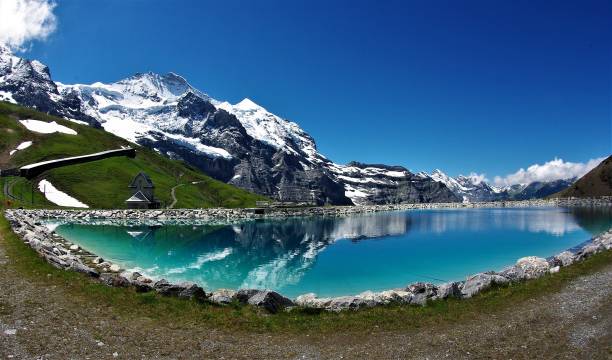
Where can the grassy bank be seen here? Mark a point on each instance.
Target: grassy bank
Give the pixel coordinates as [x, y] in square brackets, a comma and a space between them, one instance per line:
[172, 312]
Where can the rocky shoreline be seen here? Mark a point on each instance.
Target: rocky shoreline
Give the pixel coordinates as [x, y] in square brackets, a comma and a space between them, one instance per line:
[28, 225]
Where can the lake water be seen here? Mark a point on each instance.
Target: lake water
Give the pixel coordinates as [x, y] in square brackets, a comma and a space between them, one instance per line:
[341, 256]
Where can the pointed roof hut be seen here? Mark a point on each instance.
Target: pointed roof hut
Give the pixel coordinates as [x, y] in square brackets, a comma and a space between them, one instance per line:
[142, 193]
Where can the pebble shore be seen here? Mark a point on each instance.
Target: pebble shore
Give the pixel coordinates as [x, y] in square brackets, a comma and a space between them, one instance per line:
[28, 225]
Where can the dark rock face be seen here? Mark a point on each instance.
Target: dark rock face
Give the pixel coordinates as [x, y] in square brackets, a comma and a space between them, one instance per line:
[30, 84]
[383, 184]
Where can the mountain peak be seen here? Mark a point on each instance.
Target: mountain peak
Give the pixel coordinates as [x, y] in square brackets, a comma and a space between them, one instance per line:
[247, 104]
[150, 84]
[5, 50]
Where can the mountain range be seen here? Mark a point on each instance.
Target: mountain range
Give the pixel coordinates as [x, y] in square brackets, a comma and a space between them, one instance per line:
[242, 144]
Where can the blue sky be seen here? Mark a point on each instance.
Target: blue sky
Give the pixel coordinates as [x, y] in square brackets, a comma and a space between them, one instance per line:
[484, 86]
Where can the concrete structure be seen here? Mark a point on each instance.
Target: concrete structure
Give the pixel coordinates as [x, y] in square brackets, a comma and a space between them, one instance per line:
[32, 170]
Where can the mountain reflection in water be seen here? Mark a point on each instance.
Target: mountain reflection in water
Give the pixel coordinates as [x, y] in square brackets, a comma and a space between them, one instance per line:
[278, 253]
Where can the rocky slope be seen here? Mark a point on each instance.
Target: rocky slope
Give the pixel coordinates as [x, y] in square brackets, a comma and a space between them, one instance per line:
[242, 144]
[597, 182]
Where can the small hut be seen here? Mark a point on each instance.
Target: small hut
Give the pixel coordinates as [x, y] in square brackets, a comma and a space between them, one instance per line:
[142, 193]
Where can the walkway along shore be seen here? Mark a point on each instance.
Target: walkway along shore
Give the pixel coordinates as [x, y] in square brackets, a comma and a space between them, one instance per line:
[27, 224]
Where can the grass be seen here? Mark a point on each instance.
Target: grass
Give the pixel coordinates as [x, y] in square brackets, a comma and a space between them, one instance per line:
[26, 191]
[166, 311]
[103, 183]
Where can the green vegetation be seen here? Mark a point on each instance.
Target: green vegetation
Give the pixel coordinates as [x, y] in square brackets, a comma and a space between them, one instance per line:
[103, 183]
[128, 304]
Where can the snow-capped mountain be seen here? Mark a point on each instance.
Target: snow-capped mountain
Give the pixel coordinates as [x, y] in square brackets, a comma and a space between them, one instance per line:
[474, 189]
[468, 188]
[383, 184]
[28, 82]
[242, 144]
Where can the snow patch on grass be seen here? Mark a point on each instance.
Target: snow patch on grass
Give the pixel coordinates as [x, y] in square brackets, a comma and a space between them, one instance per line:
[22, 146]
[58, 197]
[46, 127]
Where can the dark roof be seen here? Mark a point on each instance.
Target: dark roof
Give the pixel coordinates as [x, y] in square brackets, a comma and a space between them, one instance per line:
[138, 197]
[149, 183]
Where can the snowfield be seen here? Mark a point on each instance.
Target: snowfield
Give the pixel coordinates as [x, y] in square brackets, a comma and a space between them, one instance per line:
[46, 127]
[23, 145]
[58, 197]
[7, 96]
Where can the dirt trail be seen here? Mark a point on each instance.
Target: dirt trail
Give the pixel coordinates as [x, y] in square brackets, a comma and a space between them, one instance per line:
[45, 322]
[173, 194]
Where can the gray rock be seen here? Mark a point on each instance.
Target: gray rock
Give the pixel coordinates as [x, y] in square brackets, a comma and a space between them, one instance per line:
[270, 300]
[79, 267]
[605, 240]
[115, 268]
[387, 297]
[162, 286]
[449, 290]
[513, 273]
[56, 261]
[422, 292]
[566, 258]
[141, 287]
[533, 266]
[308, 300]
[479, 282]
[347, 303]
[144, 279]
[191, 291]
[114, 280]
[589, 250]
[222, 296]
[243, 295]
[135, 275]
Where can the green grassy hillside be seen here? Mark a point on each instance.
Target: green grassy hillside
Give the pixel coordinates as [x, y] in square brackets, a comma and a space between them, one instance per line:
[103, 183]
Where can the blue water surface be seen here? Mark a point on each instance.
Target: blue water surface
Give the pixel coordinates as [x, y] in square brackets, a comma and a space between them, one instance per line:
[341, 256]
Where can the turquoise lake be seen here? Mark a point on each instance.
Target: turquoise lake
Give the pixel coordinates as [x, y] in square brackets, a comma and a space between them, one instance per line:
[341, 256]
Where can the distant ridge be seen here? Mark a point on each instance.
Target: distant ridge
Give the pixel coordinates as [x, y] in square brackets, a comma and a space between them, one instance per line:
[597, 182]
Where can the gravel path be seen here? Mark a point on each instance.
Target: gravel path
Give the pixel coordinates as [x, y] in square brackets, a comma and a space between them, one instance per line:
[173, 194]
[45, 322]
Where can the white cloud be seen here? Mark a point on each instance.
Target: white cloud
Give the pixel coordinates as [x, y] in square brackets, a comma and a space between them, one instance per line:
[477, 178]
[553, 170]
[25, 20]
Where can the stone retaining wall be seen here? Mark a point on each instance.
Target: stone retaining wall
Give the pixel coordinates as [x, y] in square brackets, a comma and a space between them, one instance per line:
[240, 214]
[64, 255]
